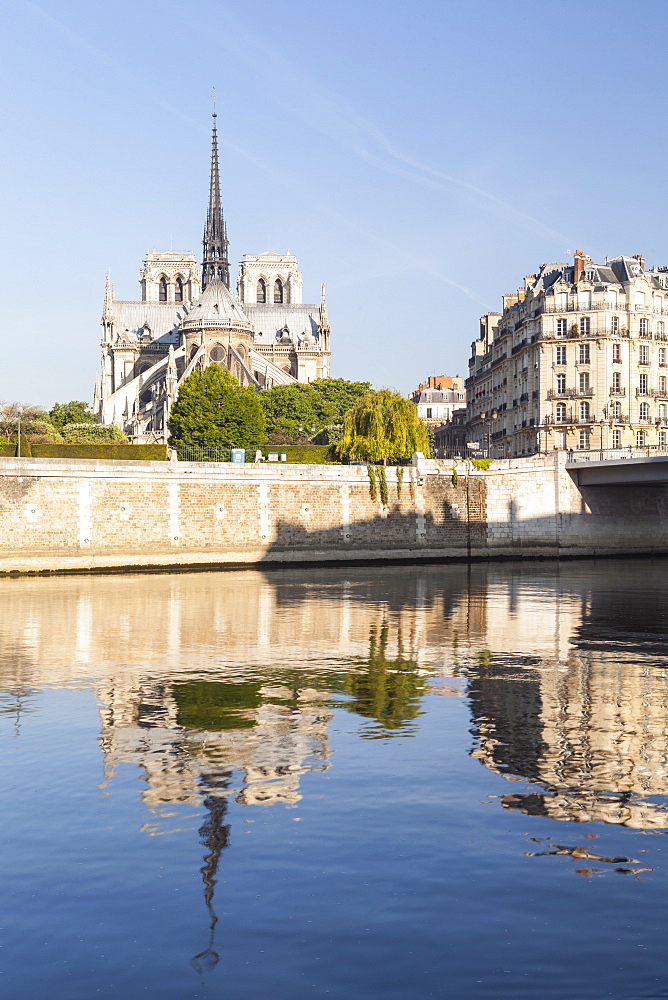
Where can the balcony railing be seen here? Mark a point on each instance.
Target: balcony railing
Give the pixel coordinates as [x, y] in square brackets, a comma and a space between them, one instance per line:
[570, 418]
[570, 393]
[602, 306]
[617, 391]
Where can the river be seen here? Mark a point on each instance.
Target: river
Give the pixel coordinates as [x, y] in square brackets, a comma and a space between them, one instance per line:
[364, 783]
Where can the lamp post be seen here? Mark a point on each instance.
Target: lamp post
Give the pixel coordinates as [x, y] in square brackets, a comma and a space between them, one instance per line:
[600, 424]
[484, 417]
[19, 412]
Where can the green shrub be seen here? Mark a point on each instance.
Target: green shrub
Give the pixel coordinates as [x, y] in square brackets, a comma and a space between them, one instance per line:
[302, 454]
[25, 447]
[92, 433]
[113, 452]
[481, 463]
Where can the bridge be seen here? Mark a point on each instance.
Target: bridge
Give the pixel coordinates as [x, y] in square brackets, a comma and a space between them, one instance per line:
[619, 466]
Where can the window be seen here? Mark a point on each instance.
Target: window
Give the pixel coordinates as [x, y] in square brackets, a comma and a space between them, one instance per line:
[643, 354]
[585, 326]
[583, 354]
[278, 291]
[643, 384]
[662, 439]
[428, 412]
[560, 354]
[562, 300]
[178, 290]
[218, 353]
[562, 328]
[661, 329]
[662, 355]
[583, 413]
[584, 381]
[643, 413]
[583, 440]
[616, 410]
[612, 297]
[560, 413]
[640, 298]
[662, 383]
[663, 415]
[614, 327]
[643, 327]
[616, 382]
[640, 439]
[616, 439]
[261, 292]
[561, 383]
[162, 293]
[585, 300]
[616, 352]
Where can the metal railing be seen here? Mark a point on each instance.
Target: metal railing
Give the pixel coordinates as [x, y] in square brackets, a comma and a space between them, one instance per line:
[569, 393]
[616, 454]
[197, 453]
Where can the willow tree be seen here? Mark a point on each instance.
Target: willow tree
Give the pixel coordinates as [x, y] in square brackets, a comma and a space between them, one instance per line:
[382, 425]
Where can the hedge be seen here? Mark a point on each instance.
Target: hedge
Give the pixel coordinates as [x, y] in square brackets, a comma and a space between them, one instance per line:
[112, 452]
[302, 454]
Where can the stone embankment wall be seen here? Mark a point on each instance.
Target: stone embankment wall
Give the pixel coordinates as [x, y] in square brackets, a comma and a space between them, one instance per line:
[57, 515]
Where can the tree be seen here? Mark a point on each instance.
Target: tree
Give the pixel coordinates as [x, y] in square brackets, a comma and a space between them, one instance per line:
[213, 411]
[289, 407]
[314, 407]
[35, 424]
[383, 425]
[74, 412]
[340, 395]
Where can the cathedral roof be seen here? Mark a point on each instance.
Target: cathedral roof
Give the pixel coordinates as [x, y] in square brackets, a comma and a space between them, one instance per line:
[302, 320]
[217, 307]
[160, 318]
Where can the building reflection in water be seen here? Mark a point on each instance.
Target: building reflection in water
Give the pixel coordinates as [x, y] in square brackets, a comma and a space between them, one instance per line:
[222, 687]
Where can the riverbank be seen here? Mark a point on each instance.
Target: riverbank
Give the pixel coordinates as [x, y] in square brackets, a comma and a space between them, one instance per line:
[61, 516]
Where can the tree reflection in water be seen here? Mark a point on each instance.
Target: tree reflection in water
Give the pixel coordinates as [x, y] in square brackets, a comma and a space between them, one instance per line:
[387, 690]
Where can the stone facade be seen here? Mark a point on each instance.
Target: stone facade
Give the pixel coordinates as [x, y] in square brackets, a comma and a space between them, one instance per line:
[578, 359]
[59, 515]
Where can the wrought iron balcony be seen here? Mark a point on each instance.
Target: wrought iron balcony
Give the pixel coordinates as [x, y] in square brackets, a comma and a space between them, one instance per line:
[570, 393]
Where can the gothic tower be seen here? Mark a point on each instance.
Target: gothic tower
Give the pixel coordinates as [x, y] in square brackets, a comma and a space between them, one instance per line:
[215, 263]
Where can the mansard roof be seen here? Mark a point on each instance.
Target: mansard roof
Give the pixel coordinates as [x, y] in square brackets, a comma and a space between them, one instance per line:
[217, 307]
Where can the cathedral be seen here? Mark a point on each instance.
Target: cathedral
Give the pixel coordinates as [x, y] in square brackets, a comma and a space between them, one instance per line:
[189, 318]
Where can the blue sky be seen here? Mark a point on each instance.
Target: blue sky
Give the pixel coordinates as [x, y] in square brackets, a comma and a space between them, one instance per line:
[419, 159]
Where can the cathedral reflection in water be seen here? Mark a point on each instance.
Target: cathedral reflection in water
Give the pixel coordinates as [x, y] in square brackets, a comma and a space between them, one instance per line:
[222, 686]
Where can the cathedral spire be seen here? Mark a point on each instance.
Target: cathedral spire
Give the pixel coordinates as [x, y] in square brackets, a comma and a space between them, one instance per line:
[215, 263]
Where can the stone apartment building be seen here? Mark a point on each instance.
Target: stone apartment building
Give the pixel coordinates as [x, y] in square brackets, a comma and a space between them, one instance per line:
[577, 359]
[438, 397]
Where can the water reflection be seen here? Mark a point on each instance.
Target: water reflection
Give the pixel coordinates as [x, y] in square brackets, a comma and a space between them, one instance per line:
[219, 686]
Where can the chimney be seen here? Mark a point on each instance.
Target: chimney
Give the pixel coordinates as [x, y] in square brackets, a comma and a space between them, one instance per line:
[641, 260]
[579, 262]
